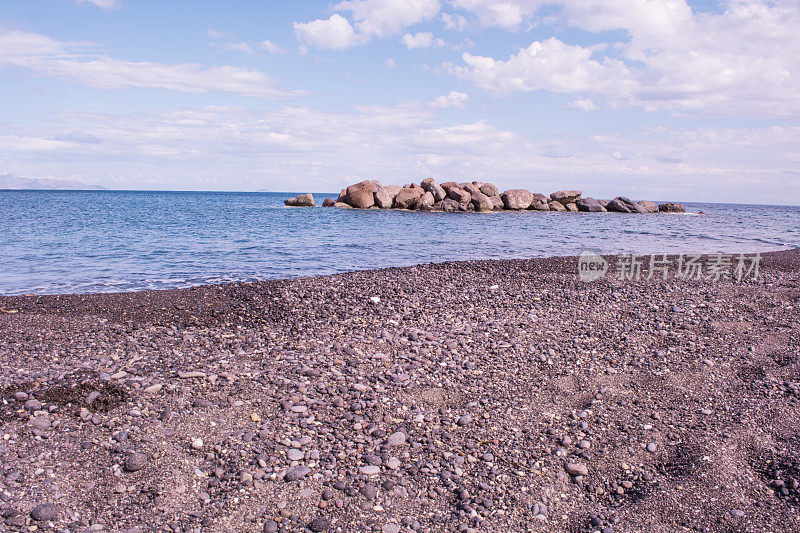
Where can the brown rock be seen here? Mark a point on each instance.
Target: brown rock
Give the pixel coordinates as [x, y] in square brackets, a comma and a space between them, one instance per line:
[430, 185]
[671, 207]
[459, 195]
[481, 202]
[343, 205]
[517, 199]
[590, 205]
[556, 206]
[565, 197]
[449, 205]
[328, 202]
[489, 189]
[407, 197]
[498, 202]
[304, 200]
[571, 207]
[539, 203]
[360, 195]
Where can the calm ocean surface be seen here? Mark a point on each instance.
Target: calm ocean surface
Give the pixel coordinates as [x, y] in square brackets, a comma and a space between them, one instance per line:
[108, 241]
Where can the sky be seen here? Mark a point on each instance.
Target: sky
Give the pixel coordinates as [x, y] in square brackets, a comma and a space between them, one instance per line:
[650, 99]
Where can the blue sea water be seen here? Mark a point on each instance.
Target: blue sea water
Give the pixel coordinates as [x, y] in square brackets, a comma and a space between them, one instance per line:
[55, 242]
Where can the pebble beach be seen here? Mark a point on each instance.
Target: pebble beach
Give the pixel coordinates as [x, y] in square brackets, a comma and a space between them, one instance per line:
[498, 395]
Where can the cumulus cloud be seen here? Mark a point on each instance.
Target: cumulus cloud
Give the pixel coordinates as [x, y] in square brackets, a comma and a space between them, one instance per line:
[421, 40]
[671, 58]
[85, 64]
[335, 33]
[372, 18]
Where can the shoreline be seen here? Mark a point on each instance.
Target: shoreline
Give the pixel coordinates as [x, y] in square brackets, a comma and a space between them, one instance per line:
[488, 395]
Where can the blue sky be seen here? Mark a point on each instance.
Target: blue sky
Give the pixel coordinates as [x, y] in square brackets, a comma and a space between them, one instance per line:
[657, 99]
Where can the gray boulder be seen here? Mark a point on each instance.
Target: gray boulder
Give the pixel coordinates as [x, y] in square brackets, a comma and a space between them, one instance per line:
[556, 206]
[304, 200]
[539, 203]
[620, 204]
[490, 189]
[590, 205]
[481, 202]
[360, 195]
[647, 206]
[566, 197]
[498, 203]
[451, 206]
[328, 202]
[571, 207]
[517, 199]
[430, 185]
[426, 201]
[384, 197]
[671, 207]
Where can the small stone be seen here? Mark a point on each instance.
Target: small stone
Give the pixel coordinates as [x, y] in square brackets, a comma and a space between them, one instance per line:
[197, 443]
[45, 512]
[370, 470]
[270, 526]
[369, 491]
[319, 525]
[464, 419]
[294, 454]
[576, 469]
[738, 513]
[135, 461]
[396, 439]
[296, 473]
[40, 422]
[651, 447]
[152, 389]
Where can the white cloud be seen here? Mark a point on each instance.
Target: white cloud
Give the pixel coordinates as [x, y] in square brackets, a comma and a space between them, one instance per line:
[335, 33]
[731, 62]
[83, 63]
[421, 40]
[373, 18]
[507, 14]
[103, 4]
[391, 63]
[454, 22]
[384, 18]
[583, 104]
[550, 64]
[454, 99]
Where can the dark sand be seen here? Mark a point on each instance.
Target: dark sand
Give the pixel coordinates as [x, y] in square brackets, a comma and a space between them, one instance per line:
[449, 405]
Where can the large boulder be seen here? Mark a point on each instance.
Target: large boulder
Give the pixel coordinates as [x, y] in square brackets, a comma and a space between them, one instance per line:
[459, 195]
[430, 185]
[328, 202]
[451, 206]
[590, 205]
[407, 197]
[481, 202]
[556, 206]
[360, 195]
[565, 197]
[671, 207]
[498, 203]
[490, 189]
[517, 199]
[343, 205]
[620, 204]
[384, 197]
[647, 206]
[426, 201]
[449, 184]
[571, 207]
[539, 203]
[304, 200]
[471, 189]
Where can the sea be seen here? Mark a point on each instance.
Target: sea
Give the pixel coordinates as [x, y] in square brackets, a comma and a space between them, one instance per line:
[57, 242]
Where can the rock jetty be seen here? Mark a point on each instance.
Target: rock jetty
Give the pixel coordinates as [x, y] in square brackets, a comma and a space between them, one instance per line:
[452, 196]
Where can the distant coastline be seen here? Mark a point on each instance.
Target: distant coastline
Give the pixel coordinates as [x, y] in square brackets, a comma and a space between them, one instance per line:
[9, 181]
